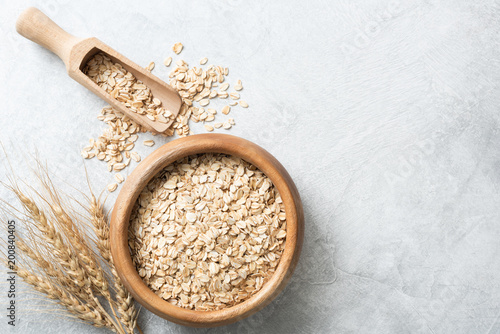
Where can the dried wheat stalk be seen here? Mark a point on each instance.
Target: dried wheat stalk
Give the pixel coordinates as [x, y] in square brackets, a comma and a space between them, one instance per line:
[57, 257]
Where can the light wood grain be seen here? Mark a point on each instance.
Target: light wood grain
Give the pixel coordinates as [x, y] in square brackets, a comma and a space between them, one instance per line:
[151, 166]
[75, 52]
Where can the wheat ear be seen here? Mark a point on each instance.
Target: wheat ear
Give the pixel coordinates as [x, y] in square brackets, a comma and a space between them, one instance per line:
[72, 304]
[49, 268]
[66, 257]
[125, 303]
[57, 259]
[84, 252]
[76, 235]
[54, 241]
[101, 228]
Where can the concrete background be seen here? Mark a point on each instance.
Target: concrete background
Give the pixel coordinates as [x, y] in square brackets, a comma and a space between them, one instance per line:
[385, 113]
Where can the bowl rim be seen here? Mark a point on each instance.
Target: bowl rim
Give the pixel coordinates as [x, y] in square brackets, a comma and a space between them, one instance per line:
[151, 166]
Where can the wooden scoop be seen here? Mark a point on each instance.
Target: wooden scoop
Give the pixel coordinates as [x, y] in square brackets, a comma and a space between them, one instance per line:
[75, 53]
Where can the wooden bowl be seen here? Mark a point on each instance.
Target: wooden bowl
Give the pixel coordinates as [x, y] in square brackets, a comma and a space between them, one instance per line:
[151, 166]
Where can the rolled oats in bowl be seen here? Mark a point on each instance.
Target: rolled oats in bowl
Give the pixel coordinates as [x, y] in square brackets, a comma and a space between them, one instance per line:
[207, 232]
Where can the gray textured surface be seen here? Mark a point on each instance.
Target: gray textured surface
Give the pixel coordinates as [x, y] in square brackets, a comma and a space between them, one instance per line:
[386, 115]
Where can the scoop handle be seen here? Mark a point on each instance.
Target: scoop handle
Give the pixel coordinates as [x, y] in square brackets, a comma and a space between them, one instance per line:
[38, 27]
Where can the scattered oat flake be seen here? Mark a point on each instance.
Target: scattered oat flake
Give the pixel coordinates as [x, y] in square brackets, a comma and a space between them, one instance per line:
[234, 95]
[226, 110]
[204, 102]
[150, 67]
[224, 86]
[226, 125]
[135, 156]
[203, 61]
[177, 48]
[238, 85]
[223, 95]
[119, 178]
[167, 61]
[118, 166]
[233, 103]
[218, 125]
[243, 104]
[209, 127]
[149, 143]
[112, 187]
